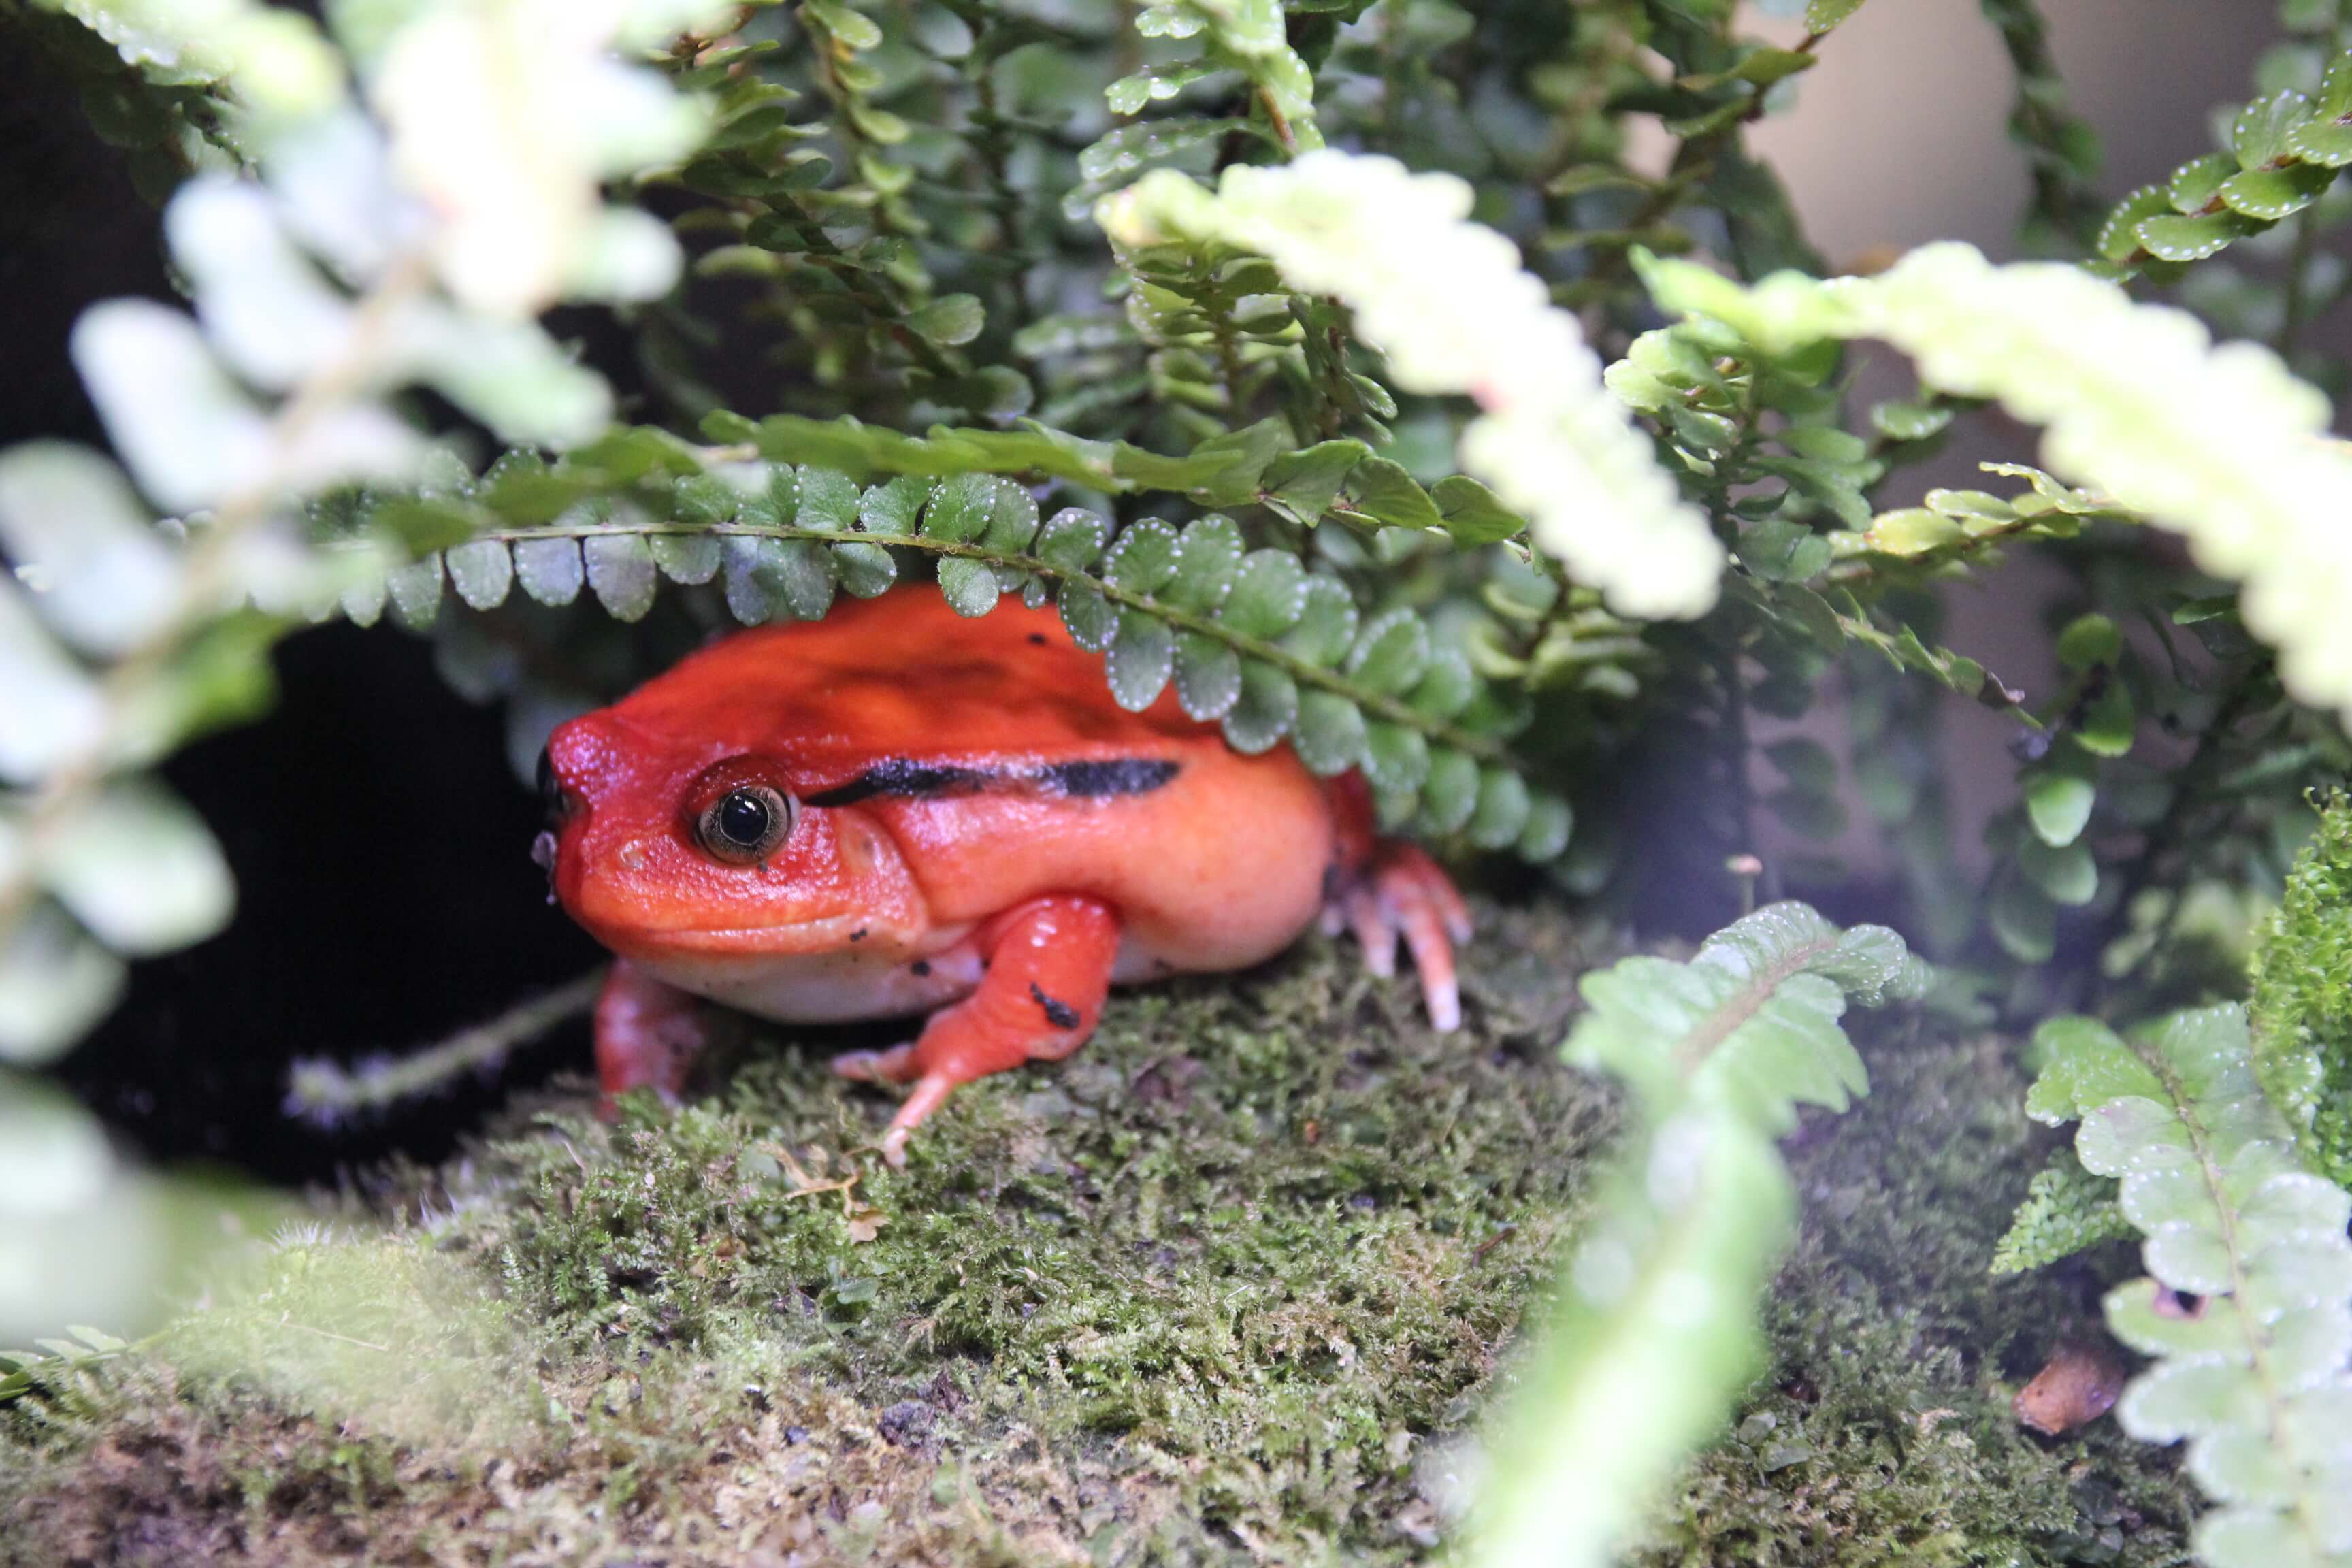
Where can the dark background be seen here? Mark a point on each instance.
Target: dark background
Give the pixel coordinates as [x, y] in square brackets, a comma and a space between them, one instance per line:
[380, 841]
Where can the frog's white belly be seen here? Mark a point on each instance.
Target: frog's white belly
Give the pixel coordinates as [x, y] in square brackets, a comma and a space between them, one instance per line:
[855, 983]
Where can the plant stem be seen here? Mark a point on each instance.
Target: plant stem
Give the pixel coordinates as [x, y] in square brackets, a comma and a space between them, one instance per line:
[1280, 121]
[1692, 166]
[2039, 120]
[2171, 827]
[327, 1092]
[991, 143]
[1229, 362]
[1735, 677]
[1736, 758]
[2295, 305]
[2297, 290]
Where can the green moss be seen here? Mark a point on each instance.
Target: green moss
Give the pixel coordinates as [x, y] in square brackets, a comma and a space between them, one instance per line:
[1229, 1285]
[1883, 1433]
[2301, 999]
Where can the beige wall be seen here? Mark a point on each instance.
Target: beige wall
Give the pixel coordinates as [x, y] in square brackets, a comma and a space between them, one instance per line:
[1898, 138]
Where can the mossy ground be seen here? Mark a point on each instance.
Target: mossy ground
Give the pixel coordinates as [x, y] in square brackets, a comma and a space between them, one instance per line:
[1230, 1285]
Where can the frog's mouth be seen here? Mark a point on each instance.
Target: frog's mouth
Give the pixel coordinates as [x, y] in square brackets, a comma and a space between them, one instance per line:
[845, 933]
[831, 986]
[643, 907]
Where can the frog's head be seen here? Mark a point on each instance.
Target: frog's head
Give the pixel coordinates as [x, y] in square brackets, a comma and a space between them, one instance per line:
[668, 840]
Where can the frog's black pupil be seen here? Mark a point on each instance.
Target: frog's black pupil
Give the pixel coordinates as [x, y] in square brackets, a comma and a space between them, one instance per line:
[745, 819]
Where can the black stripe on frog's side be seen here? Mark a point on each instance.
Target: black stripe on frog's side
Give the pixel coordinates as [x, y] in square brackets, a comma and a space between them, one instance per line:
[1110, 775]
[1092, 779]
[900, 777]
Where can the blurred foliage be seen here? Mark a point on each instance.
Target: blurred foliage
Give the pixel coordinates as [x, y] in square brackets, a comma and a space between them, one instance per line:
[1050, 300]
[1448, 306]
[87, 1237]
[1655, 1330]
[2248, 1309]
[1245, 638]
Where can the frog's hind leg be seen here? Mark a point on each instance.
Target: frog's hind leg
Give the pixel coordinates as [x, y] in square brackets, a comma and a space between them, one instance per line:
[647, 1035]
[1049, 963]
[1383, 889]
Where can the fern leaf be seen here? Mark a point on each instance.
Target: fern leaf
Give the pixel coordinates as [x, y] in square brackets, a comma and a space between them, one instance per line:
[2066, 1210]
[1655, 1333]
[1247, 35]
[1250, 466]
[1657, 1327]
[2283, 155]
[1250, 640]
[2256, 1378]
[1751, 1020]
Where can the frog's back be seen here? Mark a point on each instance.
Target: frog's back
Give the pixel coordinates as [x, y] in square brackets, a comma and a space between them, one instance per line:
[990, 750]
[901, 676]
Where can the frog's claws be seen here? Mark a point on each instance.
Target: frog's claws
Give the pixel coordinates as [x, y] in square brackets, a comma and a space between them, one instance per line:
[899, 1064]
[896, 1065]
[931, 1092]
[1402, 892]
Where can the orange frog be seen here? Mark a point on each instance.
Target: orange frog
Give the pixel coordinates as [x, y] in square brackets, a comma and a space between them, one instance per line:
[898, 811]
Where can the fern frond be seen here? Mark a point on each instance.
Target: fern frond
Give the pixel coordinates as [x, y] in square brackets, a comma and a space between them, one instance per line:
[278, 63]
[1247, 35]
[1254, 465]
[329, 1094]
[2283, 155]
[1446, 300]
[1949, 526]
[2066, 1210]
[58, 1371]
[2221, 444]
[1657, 1327]
[1248, 638]
[2254, 1374]
[1751, 1020]
[2062, 150]
[364, 256]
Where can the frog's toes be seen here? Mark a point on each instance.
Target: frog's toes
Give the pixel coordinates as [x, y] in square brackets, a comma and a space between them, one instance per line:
[897, 1065]
[1404, 893]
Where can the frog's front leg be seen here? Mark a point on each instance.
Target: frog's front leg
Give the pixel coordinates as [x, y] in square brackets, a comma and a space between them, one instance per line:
[647, 1035]
[1049, 964]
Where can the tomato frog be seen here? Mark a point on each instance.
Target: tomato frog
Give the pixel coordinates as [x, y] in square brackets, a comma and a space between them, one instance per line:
[898, 811]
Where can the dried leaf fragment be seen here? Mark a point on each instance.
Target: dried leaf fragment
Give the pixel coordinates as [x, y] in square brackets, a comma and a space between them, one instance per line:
[2079, 1386]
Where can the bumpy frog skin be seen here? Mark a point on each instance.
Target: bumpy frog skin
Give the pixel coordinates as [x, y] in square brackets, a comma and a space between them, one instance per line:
[898, 811]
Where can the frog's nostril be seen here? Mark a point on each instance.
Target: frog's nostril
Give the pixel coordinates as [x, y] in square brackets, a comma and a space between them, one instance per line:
[543, 856]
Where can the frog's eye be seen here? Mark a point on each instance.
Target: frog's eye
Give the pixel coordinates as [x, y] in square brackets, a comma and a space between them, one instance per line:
[745, 823]
[553, 800]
